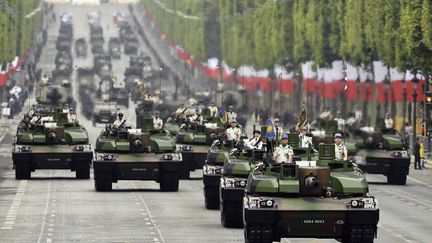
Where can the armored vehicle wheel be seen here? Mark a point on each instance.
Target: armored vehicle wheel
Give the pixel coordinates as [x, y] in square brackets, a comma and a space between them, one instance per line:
[82, 171]
[169, 182]
[258, 234]
[397, 176]
[103, 182]
[360, 234]
[232, 214]
[22, 171]
[211, 195]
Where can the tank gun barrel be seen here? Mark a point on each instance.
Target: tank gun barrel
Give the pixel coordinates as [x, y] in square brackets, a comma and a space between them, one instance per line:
[312, 182]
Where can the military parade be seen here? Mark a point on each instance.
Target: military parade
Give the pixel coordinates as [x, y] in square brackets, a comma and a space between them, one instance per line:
[215, 121]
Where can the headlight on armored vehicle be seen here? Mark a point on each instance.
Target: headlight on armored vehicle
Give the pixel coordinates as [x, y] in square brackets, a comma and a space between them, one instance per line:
[167, 157]
[369, 202]
[186, 148]
[24, 148]
[108, 157]
[396, 154]
[239, 183]
[262, 203]
[234, 182]
[218, 171]
[213, 170]
[78, 148]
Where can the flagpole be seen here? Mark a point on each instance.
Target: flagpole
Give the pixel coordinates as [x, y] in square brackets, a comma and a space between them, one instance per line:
[345, 73]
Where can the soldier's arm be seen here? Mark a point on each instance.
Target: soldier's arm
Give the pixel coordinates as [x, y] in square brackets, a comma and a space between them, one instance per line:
[290, 158]
[275, 154]
[345, 153]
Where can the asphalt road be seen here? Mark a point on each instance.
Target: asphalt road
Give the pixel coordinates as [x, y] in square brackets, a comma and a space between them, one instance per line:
[54, 207]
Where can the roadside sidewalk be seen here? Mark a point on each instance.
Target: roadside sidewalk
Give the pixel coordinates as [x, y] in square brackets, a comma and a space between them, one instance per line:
[428, 163]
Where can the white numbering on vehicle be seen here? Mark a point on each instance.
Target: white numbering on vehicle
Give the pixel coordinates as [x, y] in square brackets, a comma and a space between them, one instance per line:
[139, 169]
[313, 221]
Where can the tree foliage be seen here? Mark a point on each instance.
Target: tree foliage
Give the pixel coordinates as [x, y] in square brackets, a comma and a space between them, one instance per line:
[263, 33]
[19, 21]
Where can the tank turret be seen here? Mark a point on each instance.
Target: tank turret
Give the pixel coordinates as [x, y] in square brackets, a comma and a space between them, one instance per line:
[51, 142]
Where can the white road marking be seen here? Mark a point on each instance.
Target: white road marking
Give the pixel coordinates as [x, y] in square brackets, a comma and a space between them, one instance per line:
[44, 218]
[150, 216]
[13, 210]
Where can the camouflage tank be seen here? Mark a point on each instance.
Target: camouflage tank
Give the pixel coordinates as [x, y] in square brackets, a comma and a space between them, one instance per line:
[323, 133]
[194, 141]
[55, 92]
[323, 199]
[119, 94]
[384, 153]
[63, 44]
[217, 156]
[81, 48]
[96, 35]
[51, 142]
[114, 48]
[126, 155]
[234, 180]
[236, 170]
[130, 44]
[104, 112]
[64, 63]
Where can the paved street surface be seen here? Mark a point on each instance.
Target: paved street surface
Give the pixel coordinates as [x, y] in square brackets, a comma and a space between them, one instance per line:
[54, 207]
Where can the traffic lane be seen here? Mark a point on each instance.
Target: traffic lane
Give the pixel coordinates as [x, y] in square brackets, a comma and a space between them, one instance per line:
[195, 82]
[182, 216]
[56, 207]
[405, 211]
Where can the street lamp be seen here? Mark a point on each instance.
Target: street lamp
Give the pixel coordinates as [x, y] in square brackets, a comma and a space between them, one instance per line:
[414, 122]
[160, 83]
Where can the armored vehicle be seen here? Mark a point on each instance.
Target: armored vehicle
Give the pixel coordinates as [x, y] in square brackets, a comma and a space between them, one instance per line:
[65, 31]
[194, 141]
[323, 199]
[217, 156]
[56, 92]
[125, 154]
[63, 44]
[130, 45]
[236, 171]
[114, 48]
[87, 91]
[64, 63]
[96, 35]
[104, 112]
[323, 133]
[81, 48]
[53, 142]
[383, 153]
[119, 94]
[102, 65]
